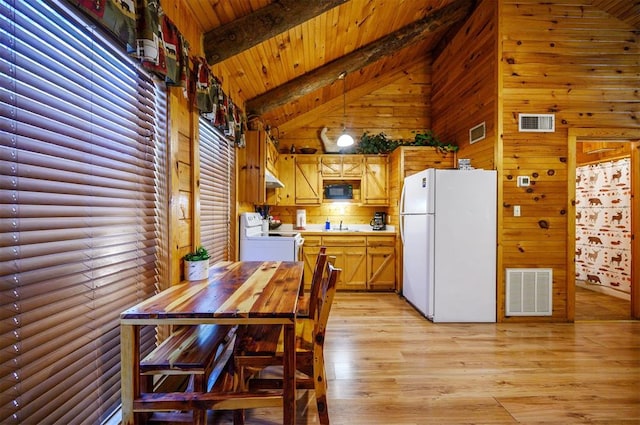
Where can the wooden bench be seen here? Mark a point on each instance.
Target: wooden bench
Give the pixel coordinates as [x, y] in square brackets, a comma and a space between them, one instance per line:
[199, 353]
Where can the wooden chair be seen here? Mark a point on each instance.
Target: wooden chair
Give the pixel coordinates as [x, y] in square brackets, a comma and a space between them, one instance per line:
[305, 307]
[258, 347]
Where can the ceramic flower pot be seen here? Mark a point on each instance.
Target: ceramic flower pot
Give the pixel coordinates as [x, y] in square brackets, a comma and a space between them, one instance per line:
[196, 270]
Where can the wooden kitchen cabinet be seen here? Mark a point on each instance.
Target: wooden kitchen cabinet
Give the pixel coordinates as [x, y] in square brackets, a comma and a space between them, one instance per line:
[286, 195]
[341, 166]
[368, 262]
[351, 257]
[308, 185]
[258, 155]
[381, 263]
[375, 187]
[310, 251]
[272, 158]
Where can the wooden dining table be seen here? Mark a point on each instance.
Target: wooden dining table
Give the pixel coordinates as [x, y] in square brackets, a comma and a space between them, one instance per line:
[236, 293]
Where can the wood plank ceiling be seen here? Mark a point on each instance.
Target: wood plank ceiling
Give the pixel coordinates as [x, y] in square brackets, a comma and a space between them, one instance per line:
[284, 57]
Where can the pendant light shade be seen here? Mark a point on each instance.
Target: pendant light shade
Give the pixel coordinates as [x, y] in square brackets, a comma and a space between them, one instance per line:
[345, 139]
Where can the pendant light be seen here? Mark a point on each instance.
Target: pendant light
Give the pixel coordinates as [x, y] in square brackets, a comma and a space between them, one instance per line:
[345, 139]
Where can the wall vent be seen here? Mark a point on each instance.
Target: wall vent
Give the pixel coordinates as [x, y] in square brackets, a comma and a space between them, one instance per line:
[477, 133]
[529, 292]
[544, 123]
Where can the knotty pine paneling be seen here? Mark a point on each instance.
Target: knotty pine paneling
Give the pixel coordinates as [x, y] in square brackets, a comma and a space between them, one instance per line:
[465, 87]
[582, 64]
[595, 152]
[180, 12]
[628, 11]
[396, 105]
[348, 213]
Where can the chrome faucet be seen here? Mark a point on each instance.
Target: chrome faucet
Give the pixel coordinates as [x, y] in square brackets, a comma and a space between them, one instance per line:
[340, 224]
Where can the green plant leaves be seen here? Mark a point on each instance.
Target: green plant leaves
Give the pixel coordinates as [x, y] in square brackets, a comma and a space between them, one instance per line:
[199, 254]
[381, 144]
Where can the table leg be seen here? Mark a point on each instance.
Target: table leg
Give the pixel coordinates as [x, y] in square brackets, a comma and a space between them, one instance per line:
[129, 372]
[289, 375]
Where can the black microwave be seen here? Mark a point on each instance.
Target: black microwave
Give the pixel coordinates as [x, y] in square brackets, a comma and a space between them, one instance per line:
[338, 191]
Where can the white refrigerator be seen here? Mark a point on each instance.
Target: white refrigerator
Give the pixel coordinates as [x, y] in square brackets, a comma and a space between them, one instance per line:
[448, 231]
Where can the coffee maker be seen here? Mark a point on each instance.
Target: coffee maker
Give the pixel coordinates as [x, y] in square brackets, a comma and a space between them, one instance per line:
[379, 221]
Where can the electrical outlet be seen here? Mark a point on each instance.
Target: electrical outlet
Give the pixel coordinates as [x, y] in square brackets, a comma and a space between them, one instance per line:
[516, 210]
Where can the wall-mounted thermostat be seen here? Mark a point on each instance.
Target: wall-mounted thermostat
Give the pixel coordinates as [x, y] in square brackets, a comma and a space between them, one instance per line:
[523, 181]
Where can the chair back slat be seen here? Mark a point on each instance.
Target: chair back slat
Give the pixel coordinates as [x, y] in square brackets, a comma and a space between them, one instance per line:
[325, 299]
[316, 279]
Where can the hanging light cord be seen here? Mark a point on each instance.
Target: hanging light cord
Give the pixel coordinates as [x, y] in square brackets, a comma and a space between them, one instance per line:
[344, 104]
[344, 139]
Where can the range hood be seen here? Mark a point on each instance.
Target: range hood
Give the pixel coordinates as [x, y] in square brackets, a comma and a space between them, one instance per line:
[271, 181]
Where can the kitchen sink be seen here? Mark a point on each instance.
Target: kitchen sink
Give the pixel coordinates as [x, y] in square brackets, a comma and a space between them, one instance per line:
[342, 230]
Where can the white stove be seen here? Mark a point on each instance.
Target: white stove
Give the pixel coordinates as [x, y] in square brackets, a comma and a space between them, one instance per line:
[274, 245]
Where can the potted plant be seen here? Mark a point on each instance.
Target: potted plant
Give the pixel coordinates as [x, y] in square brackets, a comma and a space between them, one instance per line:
[375, 144]
[428, 138]
[196, 264]
[381, 144]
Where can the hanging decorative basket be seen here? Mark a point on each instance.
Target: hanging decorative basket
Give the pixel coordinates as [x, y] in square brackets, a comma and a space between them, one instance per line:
[196, 270]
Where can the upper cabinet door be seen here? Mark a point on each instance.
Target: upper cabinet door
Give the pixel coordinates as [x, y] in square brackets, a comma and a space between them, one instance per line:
[352, 166]
[307, 180]
[331, 166]
[348, 167]
[252, 163]
[375, 186]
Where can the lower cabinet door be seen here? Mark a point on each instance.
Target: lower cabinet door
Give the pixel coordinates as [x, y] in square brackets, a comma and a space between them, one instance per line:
[381, 268]
[353, 262]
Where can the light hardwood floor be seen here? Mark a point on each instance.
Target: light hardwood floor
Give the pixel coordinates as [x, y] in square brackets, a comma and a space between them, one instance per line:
[388, 365]
[592, 305]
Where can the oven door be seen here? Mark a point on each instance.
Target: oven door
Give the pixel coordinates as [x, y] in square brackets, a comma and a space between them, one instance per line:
[298, 248]
[269, 248]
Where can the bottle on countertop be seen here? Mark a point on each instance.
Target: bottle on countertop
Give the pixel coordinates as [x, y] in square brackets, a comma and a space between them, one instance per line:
[327, 224]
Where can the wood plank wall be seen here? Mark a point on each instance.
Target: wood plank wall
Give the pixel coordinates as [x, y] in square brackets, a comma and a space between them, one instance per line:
[581, 64]
[396, 104]
[465, 87]
[184, 169]
[566, 58]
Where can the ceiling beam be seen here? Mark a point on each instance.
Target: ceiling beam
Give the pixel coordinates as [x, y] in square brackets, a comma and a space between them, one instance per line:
[352, 62]
[241, 34]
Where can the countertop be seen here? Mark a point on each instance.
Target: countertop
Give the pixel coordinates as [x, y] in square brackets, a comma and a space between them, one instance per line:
[350, 229]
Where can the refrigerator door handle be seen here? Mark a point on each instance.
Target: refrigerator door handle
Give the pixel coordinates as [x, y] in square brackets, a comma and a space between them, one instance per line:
[401, 218]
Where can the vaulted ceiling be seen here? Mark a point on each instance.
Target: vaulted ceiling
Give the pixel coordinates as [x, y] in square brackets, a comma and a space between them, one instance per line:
[285, 56]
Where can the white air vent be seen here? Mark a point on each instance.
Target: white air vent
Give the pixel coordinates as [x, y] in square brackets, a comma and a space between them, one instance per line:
[529, 292]
[544, 123]
[477, 133]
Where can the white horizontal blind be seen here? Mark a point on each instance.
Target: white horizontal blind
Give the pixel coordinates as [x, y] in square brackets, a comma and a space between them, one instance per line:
[217, 157]
[82, 134]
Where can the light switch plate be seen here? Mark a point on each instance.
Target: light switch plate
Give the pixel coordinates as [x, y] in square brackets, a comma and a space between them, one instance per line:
[523, 181]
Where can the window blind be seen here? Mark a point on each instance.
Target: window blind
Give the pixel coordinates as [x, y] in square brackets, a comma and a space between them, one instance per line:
[82, 134]
[217, 158]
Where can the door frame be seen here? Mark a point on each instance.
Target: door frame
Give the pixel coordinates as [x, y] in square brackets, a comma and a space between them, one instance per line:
[600, 134]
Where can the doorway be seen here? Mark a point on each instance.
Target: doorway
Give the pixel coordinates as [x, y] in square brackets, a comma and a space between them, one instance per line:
[603, 230]
[597, 240]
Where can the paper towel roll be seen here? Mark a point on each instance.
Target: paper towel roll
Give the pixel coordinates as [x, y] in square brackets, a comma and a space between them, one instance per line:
[301, 219]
